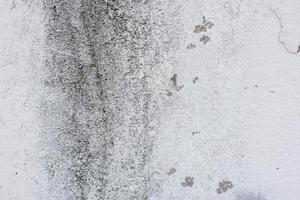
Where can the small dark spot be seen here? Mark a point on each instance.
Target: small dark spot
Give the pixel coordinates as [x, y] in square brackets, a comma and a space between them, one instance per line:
[298, 50]
[196, 132]
[93, 65]
[272, 91]
[195, 79]
[191, 46]
[169, 94]
[224, 186]
[277, 168]
[174, 80]
[171, 171]
[16, 173]
[256, 86]
[204, 39]
[188, 182]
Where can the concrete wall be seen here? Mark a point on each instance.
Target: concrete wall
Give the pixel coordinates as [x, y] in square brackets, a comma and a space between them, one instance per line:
[158, 100]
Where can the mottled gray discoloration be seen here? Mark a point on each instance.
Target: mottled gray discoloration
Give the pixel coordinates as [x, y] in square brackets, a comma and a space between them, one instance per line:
[224, 186]
[188, 182]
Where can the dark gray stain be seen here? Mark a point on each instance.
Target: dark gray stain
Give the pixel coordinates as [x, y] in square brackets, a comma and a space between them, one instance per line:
[188, 182]
[92, 110]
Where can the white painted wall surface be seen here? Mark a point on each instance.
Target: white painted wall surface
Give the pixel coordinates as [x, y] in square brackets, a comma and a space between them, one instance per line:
[238, 122]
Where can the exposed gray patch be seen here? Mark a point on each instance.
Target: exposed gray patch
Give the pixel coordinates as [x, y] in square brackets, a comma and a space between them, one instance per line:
[171, 171]
[224, 186]
[204, 39]
[191, 46]
[249, 196]
[188, 182]
[195, 79]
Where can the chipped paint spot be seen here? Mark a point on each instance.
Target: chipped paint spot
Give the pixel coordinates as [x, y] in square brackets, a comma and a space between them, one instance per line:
[224, 186]
[191, 46]
[204, 39]
[188, 182]
[200, 28]
[171, 171]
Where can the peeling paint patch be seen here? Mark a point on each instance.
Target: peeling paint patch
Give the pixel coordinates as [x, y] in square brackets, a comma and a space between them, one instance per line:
[224, 186]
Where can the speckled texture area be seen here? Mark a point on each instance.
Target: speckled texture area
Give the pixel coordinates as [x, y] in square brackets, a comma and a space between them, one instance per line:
[149, 100]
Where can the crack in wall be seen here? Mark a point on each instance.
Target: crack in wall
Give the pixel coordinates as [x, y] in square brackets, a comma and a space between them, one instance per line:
[279, 35]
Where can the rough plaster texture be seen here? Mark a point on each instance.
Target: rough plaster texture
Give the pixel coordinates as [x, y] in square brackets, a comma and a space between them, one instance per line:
[157, 100]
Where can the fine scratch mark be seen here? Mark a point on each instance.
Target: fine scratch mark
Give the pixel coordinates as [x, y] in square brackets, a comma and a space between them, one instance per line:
[279, 35]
